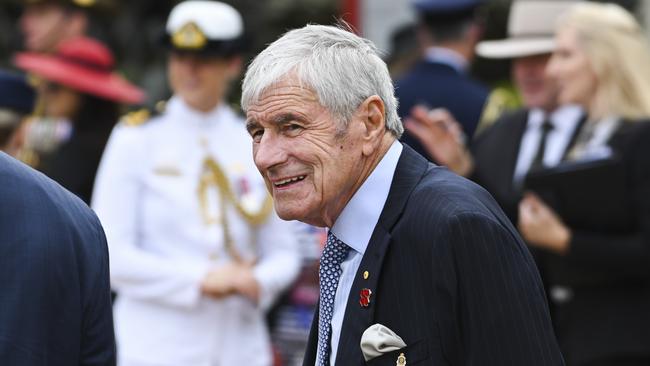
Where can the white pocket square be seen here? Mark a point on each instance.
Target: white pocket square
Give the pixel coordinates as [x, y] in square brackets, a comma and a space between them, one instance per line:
[379, 339]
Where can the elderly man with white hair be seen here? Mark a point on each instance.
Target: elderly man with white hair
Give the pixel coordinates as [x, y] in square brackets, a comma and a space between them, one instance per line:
[421, 266]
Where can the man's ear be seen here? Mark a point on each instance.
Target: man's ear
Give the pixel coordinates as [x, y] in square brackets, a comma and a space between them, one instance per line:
[373, 116]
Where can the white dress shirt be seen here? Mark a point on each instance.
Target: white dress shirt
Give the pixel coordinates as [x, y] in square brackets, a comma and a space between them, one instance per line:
[354, 226]
[564, 120]
[147, 198]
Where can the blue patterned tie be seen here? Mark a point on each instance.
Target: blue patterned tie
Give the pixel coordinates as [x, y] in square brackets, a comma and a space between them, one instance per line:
[330, 271]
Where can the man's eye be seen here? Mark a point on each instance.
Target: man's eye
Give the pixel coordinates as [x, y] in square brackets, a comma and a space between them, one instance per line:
[292, 128]
[257, 135]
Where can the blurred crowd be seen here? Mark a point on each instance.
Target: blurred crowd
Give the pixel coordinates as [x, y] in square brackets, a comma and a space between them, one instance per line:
[205, 273]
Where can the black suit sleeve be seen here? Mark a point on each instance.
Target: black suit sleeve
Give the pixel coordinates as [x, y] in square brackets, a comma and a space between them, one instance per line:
[501, 315]
[98, 340]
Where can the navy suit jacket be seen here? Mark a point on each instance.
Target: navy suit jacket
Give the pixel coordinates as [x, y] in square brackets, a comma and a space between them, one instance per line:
[438, 85]
[55, 305]
[450, 275]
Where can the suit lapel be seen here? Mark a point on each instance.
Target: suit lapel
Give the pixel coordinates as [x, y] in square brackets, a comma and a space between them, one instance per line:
[512, 155]
[574, 137]
[312, 343]
[410, 169]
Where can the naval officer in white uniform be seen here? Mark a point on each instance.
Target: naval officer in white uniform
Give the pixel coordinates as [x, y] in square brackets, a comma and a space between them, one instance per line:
[197, 253]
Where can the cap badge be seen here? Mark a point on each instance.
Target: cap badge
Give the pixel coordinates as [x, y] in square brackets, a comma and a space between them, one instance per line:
[190, 37]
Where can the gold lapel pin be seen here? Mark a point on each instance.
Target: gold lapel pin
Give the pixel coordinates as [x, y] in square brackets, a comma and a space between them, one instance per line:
[401, 360]
[366, 275]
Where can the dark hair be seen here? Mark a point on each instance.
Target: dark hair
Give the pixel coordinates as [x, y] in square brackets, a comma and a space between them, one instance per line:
[96, 116]
[449, 26]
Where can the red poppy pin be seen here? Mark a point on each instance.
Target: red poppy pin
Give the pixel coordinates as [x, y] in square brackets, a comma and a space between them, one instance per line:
[364, 297]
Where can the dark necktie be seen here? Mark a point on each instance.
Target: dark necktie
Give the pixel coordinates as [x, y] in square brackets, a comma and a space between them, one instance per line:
[538, 160]
[330, 271]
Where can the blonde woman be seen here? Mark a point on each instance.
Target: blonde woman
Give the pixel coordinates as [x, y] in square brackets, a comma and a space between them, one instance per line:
[599, 279]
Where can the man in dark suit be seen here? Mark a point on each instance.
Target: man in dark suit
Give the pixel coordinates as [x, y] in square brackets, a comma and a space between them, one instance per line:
[448, 31]
[420, 265]
[55, 305]
[533, 137]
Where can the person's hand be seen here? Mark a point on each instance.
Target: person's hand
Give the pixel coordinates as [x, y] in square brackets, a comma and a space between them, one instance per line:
[244, 282]
[442, 136]
[232, 278]
[218, 282]
[541, 227]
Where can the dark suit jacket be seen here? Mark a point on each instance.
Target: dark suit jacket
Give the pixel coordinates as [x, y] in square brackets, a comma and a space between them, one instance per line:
[437, 85]
[450, 275]
[606, 320]
[55, 306]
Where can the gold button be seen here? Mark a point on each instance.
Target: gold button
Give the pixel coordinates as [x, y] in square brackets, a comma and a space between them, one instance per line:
[366, 275]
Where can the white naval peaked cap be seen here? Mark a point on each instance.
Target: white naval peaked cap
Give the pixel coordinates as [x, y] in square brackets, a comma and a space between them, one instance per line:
[216, 20]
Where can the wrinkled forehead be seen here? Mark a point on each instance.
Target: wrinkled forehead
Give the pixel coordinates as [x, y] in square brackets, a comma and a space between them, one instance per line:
[265, 87]
[287, 91]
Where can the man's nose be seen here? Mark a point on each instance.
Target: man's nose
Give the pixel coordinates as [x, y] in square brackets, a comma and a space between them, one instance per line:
[269, 152]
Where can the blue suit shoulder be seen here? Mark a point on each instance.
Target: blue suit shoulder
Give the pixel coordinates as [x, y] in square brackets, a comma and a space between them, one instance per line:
[437, 85]
[54, 246]
[446, 194]
[445, 208]
[38, 195]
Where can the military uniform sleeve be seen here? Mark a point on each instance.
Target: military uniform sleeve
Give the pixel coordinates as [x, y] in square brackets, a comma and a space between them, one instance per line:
[280, 258]
[134, 271]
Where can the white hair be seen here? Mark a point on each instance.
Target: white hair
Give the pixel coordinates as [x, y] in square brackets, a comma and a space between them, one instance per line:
[342, 68]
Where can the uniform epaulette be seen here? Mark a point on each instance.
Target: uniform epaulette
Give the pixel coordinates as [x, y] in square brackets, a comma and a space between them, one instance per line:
[502, 99]
[136, 118]
[160, 107]
[141, 116]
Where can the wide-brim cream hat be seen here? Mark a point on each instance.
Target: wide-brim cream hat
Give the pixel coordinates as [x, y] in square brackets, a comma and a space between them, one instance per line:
[531, 28]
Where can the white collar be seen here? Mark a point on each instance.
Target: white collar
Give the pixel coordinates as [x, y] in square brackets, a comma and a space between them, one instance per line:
[558, 117]
[191, 117]
[446, 56]
[357, 221]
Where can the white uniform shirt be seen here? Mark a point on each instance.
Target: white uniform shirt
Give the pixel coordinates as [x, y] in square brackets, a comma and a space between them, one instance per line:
[146, 195]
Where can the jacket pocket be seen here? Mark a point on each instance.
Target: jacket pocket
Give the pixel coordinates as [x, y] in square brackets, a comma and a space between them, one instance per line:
[415, 353]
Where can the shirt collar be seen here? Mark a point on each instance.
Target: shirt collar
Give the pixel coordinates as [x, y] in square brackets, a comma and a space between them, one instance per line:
[195, 118]
[559, 117]
[357, 221]
[448, 57]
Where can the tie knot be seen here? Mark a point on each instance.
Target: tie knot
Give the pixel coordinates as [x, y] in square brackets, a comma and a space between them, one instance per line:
[547, 125]
[335, 250]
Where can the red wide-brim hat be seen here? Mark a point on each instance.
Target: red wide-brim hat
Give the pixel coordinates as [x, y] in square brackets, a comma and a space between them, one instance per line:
[85, 65]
